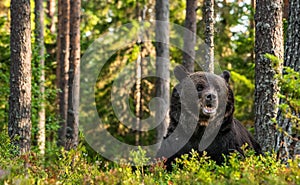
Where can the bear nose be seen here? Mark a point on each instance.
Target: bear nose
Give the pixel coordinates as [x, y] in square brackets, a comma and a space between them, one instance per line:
[210, 97]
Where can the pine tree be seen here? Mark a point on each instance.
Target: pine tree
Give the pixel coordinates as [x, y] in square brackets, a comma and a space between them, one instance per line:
[162, 63]
[209, 35]
[39, 37]
[268, 40]
[19, 125]
[63, 63]
[50, 13]
[190, 35]
[288, 146]
[74, 75]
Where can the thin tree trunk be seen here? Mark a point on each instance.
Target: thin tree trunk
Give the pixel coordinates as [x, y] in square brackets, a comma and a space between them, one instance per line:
[58, 47]
[138, 78]
[138, 97]
[286, 7]
[269, 39]
[252, 29]
[162, 64]
[19, 125]
[141, 14]
[64, 26]
[39, 36]
[190, 39]
[50, 13]
[209, 35]
[74, 74]
[287, 147]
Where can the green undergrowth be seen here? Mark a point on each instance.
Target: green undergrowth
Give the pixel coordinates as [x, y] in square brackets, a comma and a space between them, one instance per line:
[77, 167]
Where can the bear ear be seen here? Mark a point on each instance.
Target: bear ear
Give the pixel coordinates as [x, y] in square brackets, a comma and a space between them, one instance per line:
[180, 72]
[226, 75]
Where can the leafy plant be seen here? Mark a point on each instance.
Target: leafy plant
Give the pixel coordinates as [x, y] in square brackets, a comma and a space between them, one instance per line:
[289, 83]
[75, 167]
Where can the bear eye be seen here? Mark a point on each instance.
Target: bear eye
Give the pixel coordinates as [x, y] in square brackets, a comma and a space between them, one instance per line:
[200, 87]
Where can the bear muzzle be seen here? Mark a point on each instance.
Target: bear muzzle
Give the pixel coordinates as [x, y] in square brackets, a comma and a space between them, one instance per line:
[208, 104]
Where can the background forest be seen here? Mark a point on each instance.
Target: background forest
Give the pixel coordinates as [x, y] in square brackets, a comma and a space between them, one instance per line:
[66, 158]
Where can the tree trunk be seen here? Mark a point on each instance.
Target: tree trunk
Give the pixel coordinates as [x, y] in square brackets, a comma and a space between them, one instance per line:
[286, 7]
[74, 74]
[50, 13]
[138, 78]
[138, 95]
[39, 37]
[59, 32]
[162, 64]
[209, 35]
[252, 29]
[64, 27]
[268, 39]
[190, 39]
[287, 147]
[19, 125]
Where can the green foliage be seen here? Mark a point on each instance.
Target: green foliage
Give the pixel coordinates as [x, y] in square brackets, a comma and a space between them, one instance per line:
[243, 89]
[233, 49]
[290, 87]
[289, 83]
[275, 62]
[231, 18]
[75, 167]
[4, 70]
[234, 46]
[139, 157]
[37, 98]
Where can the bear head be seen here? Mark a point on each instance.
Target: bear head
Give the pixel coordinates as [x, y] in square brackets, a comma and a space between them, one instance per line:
[212, 94]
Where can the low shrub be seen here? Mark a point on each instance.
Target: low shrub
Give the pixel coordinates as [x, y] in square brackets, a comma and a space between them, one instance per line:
[76, 167]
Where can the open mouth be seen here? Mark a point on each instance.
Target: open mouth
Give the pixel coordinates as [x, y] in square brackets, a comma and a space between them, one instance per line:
[209, 109]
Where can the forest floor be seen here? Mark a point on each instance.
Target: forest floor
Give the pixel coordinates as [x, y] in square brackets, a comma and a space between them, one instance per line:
[82, 167]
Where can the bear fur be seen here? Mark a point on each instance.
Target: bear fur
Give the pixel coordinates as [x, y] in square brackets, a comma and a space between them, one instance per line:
[201, 118]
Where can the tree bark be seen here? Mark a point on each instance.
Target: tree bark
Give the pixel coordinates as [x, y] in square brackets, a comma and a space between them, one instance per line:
[268, 39]
[39, 37]
[138, 79]
[287, 147]
[190, 39]
[209, 35]
[19, 125]
[74, 75]
[286, 7]
[50, 13]
[59, 32]
[64, 27]
[252, 29]
[138, 95]
[162, 64]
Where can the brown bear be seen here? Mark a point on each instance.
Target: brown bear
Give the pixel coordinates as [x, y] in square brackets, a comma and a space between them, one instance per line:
[201, 118]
